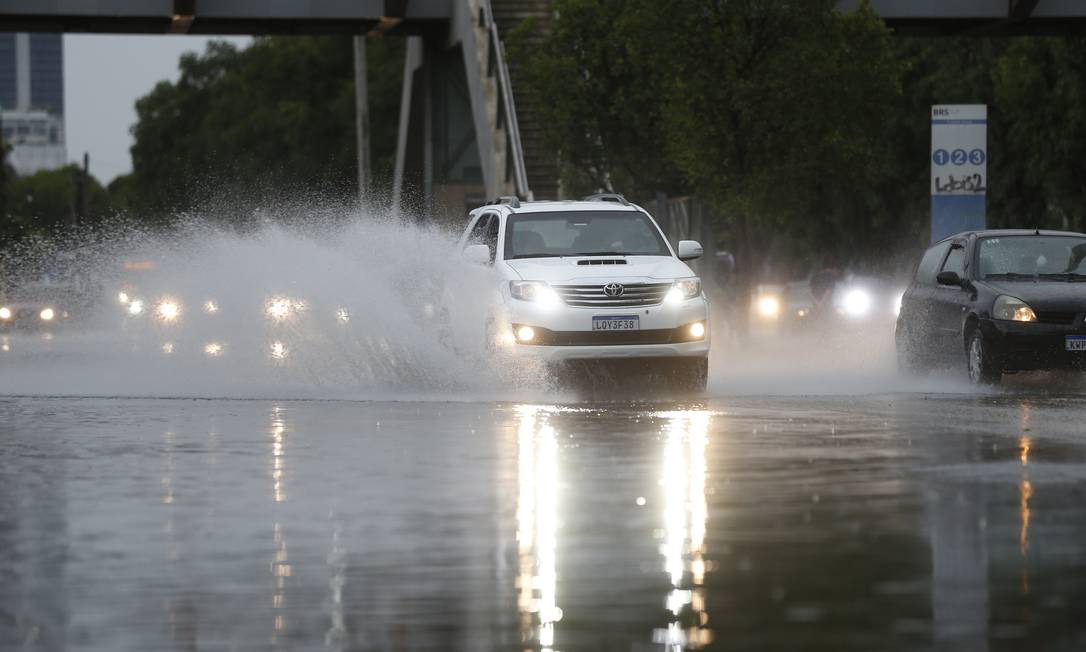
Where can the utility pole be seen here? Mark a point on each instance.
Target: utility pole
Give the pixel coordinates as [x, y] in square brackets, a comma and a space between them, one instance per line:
[362, 118]
[79, 204]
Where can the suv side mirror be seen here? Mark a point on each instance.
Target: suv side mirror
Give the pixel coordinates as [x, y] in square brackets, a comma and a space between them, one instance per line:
[477, 254]
[949, 278]
[689, 250]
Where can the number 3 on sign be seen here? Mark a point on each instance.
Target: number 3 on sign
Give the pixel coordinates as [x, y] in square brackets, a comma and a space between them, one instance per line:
[976, 157]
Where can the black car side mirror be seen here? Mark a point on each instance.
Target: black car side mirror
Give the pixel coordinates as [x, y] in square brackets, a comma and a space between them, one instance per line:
[949, 278]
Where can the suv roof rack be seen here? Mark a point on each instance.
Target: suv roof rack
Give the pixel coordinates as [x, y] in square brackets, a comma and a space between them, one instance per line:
[511, 200]
[608, 196]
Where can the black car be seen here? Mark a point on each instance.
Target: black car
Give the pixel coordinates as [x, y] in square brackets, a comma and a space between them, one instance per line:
[1001, 301]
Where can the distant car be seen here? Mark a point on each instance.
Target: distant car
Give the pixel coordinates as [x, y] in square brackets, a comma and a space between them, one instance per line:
[36, 306]
[999, 301]
[589, 281]
[853, 302]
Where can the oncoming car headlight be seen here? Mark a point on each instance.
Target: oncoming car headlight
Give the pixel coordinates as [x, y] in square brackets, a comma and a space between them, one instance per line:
[5, 313]
[535, 291]
[856, 303]
[683, 289]
[1012, 309]
[769, 307]
[47, 314]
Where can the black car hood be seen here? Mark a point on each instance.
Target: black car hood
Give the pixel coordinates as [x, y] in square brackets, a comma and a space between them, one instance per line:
[1045, 295]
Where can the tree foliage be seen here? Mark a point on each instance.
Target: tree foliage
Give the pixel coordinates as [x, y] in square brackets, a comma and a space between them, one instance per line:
[806, 128]
[43, 203]
[276, 117]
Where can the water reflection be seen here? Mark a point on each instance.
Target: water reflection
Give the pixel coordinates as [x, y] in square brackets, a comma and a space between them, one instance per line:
[537, 514]
[280, 564]
[1025, 493]
[685, 518]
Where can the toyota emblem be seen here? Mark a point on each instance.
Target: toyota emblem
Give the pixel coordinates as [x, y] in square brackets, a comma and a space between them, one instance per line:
[613, 289]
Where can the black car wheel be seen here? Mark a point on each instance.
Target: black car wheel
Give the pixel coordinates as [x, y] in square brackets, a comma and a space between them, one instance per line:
[982, 368]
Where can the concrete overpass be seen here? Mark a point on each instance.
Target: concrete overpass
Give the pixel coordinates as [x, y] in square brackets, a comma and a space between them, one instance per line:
[225, 16]
[979, 17]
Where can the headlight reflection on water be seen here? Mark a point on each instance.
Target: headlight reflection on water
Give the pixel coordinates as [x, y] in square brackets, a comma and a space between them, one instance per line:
[685, 516]
[537, 525]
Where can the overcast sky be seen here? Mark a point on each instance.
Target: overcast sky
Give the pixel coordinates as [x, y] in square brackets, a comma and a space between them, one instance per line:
[103, 77]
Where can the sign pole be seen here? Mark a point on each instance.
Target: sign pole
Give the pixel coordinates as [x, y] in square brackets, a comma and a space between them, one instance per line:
[959, 168]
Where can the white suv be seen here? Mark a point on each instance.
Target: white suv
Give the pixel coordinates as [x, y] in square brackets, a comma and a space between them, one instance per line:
[591, 280]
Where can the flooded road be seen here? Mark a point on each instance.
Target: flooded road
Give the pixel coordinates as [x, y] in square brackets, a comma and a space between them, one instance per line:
[897, 521]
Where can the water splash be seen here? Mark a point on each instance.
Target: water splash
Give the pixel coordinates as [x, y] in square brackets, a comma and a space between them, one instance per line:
[348, 306]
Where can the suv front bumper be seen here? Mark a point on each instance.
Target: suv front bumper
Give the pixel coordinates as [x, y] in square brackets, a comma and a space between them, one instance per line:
[565, 333]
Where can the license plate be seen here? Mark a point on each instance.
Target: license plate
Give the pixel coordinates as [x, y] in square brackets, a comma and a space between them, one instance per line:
[620, 323]
[1076, 342]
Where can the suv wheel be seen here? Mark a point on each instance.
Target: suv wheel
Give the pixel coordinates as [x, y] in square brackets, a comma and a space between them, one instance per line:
[982, 368]
[691, 375]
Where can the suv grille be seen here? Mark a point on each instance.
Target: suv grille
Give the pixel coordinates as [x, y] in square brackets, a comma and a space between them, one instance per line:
[593, 296]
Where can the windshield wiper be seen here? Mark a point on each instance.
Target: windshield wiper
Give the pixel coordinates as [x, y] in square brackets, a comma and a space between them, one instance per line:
[1070, 277]
[538, 256]
[605, 253]
[1011, 276]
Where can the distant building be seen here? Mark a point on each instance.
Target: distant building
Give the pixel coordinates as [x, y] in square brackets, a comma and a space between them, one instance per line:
[32, 100]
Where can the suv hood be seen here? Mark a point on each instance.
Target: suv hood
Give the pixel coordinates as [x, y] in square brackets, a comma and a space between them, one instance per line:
[567, 269]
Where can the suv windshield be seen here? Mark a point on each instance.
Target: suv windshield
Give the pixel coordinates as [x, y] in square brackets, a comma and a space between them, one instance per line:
[1031, 255]
[582, 233]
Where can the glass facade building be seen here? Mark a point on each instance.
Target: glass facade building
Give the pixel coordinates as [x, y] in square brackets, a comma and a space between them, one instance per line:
[32, 100]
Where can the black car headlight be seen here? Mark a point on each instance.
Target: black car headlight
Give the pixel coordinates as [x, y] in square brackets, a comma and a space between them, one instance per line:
[1012, 309]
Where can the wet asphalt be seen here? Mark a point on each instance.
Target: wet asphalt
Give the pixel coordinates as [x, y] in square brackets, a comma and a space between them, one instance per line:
[885, 521]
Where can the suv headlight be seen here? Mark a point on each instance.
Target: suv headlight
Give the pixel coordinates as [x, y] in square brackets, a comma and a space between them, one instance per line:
[534, 291]
[1012, 309]
[683, 289]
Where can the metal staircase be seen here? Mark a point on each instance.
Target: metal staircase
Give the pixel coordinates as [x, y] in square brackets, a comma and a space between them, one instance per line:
[540, 161]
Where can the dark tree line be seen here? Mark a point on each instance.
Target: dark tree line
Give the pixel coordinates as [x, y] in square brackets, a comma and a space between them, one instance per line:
[806, 129]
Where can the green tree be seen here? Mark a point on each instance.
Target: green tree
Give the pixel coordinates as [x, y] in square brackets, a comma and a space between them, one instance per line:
[260, 124]
[777, 112]
[597, 84]
[44, 203]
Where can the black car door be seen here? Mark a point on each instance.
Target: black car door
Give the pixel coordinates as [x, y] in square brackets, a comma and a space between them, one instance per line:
[915, 321]
[949, 305]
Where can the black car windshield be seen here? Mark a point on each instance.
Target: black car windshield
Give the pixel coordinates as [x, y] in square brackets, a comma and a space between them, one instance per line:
[582, 233]
[1030, 256]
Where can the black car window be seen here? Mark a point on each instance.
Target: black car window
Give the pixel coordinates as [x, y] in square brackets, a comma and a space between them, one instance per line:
[955, 262]
[929, 264]
[1030, 255]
